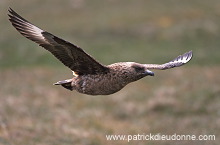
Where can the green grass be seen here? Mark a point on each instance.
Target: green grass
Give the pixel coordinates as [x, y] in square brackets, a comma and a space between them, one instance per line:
[183, 100]
[141, 30]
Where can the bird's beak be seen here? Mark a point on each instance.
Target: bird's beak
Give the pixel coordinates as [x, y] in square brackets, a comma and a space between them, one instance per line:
[149, 73]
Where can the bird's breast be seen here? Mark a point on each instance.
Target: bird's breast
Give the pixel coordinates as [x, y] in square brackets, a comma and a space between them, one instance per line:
[102, 84]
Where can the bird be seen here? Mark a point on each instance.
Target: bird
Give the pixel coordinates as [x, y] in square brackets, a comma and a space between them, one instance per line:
[89, 76]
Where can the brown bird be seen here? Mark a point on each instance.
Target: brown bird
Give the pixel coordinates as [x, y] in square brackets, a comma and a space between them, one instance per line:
[90, 76]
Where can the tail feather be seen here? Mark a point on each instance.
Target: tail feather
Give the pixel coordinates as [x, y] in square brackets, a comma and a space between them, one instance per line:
[65, 83]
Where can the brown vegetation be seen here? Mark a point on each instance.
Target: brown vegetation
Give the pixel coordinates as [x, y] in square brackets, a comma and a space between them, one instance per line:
[182, 101]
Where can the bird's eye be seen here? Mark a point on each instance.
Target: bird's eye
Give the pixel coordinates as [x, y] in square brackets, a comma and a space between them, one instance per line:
[138, 68]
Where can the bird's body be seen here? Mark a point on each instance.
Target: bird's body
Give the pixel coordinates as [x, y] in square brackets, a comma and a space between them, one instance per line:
[111, 82]
[118, 75]
[90, 76]
[98, 84]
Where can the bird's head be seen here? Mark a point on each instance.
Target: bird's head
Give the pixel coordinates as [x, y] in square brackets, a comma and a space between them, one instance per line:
[140, 70]
[131, 71]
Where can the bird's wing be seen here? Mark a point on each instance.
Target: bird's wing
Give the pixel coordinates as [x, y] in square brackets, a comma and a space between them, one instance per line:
[179, 61]
[69, 54]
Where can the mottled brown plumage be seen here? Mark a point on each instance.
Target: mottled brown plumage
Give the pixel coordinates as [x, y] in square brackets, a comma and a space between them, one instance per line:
[90, 77]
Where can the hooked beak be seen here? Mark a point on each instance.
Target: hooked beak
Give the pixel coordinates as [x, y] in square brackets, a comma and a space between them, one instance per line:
[149, 73]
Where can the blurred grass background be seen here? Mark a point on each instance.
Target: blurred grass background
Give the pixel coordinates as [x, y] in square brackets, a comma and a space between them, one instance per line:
[183, 100]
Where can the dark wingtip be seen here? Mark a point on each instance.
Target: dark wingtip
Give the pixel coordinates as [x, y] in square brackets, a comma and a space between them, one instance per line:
[11, 11]
[12, 14]
[189, 55]
[190, 52]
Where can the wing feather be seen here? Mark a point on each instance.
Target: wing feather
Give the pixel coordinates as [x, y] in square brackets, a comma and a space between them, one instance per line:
[178, 61]
[69, 54]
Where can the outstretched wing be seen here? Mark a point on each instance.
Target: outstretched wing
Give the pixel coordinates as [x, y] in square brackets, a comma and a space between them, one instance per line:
[179, 61]
[69, 54]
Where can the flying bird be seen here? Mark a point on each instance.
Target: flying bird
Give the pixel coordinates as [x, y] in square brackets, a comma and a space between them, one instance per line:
[89, 76]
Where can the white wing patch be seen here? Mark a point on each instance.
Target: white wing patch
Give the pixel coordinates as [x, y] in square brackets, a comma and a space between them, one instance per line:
[27, 29]
[183, 58]
[33, 30]
[179, 61]
[37, 31]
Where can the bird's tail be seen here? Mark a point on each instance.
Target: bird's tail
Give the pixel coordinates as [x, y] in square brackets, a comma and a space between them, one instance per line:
[65, 83]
